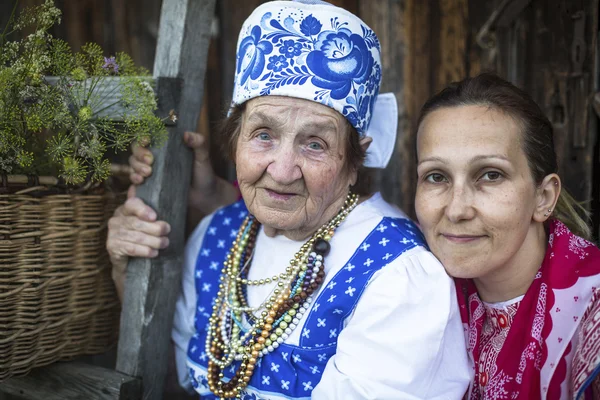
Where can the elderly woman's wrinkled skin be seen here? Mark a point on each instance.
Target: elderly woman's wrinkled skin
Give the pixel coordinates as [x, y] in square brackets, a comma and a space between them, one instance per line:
[292, 173]
[291, 166]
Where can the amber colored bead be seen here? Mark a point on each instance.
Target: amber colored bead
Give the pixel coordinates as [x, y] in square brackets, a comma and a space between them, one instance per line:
[268, 327]
[246, 379]
[269, 320]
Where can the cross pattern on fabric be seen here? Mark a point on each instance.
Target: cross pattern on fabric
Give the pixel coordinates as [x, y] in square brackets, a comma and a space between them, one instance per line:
[293, 371]
[391, 238]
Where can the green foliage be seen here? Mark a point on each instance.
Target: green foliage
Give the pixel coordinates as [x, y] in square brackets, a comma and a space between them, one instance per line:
[65, 125]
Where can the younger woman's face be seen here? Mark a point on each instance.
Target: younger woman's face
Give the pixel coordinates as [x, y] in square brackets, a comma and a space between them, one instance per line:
[476, 196]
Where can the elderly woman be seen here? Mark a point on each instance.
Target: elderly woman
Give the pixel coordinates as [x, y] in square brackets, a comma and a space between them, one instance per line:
[304, 288]
[491, 207]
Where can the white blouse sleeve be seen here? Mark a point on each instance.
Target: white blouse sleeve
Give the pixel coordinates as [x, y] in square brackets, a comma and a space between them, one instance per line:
[183, 321]
[404, 340]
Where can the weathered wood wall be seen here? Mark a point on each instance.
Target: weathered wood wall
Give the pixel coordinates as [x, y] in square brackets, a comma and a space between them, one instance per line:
[548, 47]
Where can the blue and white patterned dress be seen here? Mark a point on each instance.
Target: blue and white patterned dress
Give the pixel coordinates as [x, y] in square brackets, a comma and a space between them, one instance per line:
[384, 325]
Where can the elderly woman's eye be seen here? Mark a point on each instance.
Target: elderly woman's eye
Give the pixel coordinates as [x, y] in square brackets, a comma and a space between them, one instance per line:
[263, 136]
[435, 178]
[315, 146]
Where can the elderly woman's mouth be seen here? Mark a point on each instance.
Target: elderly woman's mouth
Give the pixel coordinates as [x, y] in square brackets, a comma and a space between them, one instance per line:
[283, 196]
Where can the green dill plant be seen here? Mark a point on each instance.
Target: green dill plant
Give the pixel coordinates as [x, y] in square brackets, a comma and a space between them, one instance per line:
[61, 111]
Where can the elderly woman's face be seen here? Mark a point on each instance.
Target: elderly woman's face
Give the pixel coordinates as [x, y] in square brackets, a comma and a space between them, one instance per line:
[475, 193]
[291, 164]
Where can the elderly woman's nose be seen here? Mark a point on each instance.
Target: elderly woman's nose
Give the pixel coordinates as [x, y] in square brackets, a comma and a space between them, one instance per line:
[460, 203]
[285, 166]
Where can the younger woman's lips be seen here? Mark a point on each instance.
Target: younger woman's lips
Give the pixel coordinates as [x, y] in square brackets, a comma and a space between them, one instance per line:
[461, 238]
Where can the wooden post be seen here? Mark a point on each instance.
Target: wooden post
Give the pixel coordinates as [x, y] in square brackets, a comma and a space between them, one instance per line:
[403, 30]
[71, 381]
[152, 285]
[387, 18]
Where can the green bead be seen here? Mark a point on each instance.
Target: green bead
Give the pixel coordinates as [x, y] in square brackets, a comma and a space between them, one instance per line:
[273, 337]
[268, 342]
[284, 324]
[278, 332]
[291, 312]
[287, 318]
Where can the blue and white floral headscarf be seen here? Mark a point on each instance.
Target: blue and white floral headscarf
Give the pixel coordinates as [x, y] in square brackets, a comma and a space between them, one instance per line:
[313, 50]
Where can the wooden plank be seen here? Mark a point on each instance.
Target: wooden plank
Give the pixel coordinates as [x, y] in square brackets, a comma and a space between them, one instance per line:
[478, 59]
[214, 104]
[71, 381]
[450, 60]
[232, 15]
[152, 285]
[562, 91]
[419, 74]
[389, 19]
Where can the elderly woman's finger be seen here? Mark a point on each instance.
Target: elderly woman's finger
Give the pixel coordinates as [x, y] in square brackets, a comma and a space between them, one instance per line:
[128, 236]
[140, 166]
[136, 179]
[198, 143]
[121, 250]
[131, 192]
[142, 154]
[136, 207]
[153, 235]
[123, 225]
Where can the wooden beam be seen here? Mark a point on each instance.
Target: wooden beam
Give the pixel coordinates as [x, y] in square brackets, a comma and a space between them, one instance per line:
[388, 19]
[71, 381]
[450, 60]
[152, 285]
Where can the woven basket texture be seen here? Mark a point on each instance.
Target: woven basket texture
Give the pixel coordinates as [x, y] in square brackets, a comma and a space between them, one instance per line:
[57, 298]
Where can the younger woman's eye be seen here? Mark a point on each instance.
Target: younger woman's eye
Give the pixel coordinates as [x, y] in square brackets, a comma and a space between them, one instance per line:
[491, 176]
[435, 178]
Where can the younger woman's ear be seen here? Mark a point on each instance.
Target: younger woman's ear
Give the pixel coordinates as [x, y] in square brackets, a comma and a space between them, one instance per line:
[547, 197]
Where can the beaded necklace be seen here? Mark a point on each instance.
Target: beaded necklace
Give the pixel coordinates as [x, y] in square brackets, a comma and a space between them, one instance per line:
[234, 332]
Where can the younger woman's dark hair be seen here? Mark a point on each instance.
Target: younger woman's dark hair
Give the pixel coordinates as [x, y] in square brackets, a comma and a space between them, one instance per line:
[538, 143]
[230, 128]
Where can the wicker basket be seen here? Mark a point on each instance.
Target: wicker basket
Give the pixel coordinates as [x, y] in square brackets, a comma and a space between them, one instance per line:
[57, 299]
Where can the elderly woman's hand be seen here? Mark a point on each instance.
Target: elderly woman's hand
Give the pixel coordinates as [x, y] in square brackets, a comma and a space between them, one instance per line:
[207, 192]
[133, 231]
